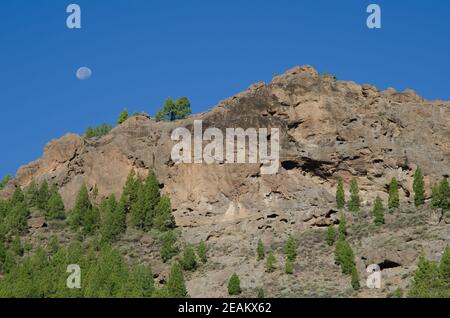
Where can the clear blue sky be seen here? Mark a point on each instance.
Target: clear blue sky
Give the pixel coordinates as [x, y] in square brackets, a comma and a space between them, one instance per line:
[142, 51]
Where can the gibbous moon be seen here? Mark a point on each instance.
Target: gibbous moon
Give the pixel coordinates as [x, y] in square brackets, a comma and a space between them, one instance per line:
[84, 73]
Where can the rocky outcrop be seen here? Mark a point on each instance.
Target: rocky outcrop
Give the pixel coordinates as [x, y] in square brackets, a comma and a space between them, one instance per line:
[328, 129]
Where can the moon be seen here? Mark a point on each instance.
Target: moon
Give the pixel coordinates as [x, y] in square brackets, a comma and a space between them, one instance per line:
[84, 73]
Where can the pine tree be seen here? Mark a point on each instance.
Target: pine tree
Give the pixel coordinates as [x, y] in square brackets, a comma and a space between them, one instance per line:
[168, 248]
[331, 235]
[189, 261]
[342, 228]
[355, 279]
[290, 249]
[138, 208]
[444, 195]
[123, 117]
[378, 211]
[43, 196]
[260, 251]
[428, 281]
[271, 263]
[18, 197]
[201, 252]
[394, 200]
[174, 110]
[32, 194]
[81, 210]
[55, 206]
[234, 285]
[164, 219]
[175, 284]
[289, 267]
[419, 188]
[444, 265]
[435, 196]
[355, 202]
[340, 194]
[130, 190]
[151, 199]
[113, 218]
[345, 257]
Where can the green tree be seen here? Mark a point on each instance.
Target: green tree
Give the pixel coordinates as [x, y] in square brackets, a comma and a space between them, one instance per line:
[394, 200]
[55, 206]
[123, 117]
[83, 207]
[345, 257]
[271, 263]
[175, 284]
[141, 282]
[290, 249]
[143, 212]
[164, 219]
[131, 188]
[113, 218]
[342, 227]
[289, 267]
[260, 251]
[174, 110]
[234, 285]
[331, 235]
[18, 197]
[32, 194]
[168, 248]
[201, 252]
[444, 265]
[441, 195]
[419, 188]
[189, 261]
[428, 281]
[378, 211]
[355, 202]
[43, 196]
[340, 194]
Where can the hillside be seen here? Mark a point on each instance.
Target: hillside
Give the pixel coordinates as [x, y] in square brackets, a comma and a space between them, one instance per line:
[329, 129]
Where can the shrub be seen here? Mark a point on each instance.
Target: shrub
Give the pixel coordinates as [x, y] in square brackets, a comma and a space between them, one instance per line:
[271, 263]
[260, 251]
[290, 249]
[201, 252]
[234, 285]
[189, 261]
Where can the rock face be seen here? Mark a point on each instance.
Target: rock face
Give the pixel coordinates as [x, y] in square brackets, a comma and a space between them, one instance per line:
[328, 129]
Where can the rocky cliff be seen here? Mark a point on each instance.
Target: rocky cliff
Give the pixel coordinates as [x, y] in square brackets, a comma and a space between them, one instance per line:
[328, 129]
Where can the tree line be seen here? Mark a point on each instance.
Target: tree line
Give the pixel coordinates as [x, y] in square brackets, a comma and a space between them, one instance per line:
[170, 111]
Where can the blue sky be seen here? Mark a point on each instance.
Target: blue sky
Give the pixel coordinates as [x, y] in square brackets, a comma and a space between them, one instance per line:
[142, 51]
